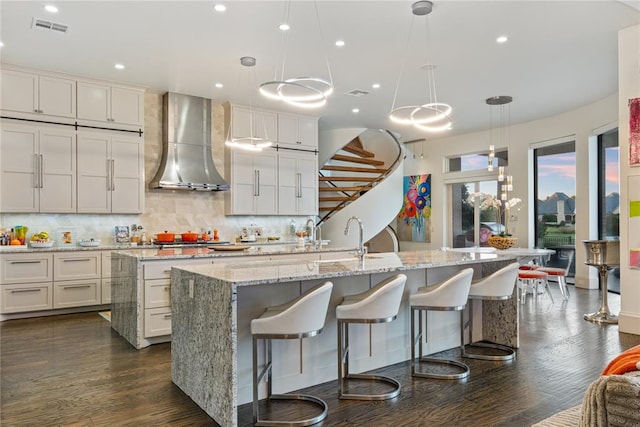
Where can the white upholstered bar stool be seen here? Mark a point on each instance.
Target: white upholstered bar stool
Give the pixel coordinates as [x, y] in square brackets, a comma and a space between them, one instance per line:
[449, 295]
[300, 318]
[380, 304]
[496, 286]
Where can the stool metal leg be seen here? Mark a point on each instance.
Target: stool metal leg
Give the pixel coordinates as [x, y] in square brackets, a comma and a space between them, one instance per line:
[289, 396]
[510, 353]
[343, 371]
[417, 340]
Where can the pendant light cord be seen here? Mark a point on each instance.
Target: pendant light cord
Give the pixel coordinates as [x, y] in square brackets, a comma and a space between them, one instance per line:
[326, 54]
[404, 62]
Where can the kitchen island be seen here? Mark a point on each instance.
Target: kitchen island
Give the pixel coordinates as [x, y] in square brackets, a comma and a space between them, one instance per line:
[141, 288]
[213, 305]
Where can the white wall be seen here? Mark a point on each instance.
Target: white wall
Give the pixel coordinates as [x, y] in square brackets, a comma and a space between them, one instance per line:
[629, 87]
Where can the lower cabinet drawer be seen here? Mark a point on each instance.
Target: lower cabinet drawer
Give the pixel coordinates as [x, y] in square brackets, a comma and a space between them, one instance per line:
[28, 297]
[157, 322]
[77, 266]
[76, 293]
[157, 293]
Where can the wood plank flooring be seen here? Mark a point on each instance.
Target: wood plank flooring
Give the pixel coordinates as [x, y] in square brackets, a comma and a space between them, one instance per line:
[73, 370]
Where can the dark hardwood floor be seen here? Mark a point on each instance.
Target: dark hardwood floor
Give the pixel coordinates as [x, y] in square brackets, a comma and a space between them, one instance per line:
[74, 370]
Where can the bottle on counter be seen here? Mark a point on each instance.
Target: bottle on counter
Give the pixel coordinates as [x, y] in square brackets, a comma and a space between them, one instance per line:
[292, 229]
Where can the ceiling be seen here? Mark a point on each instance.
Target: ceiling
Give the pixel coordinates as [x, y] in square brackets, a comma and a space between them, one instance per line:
[560, 54]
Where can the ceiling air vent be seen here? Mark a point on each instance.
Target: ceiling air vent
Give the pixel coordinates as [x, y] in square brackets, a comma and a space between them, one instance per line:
[357, 92]
[43, 24]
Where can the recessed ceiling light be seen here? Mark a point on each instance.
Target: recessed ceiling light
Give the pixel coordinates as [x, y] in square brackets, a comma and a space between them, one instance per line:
[219, 85]
[376, 85]
[119, 67]
[220, 8]
[340, 43]
[284, 27]
[51, 8]
[502, 39]
[355, 110]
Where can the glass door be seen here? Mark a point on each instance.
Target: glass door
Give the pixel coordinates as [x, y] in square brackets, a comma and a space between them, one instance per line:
[474, 218]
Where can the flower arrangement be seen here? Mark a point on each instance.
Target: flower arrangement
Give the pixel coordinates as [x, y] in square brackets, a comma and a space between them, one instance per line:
[489, 201]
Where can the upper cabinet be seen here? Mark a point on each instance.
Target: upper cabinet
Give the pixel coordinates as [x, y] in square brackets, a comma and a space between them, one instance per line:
[38, 171]
[113, 104]
[246, 122]
[299, 130]
[38, 94]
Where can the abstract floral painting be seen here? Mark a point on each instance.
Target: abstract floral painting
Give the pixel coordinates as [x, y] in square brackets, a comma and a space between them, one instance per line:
[634, 132]
[414, 219]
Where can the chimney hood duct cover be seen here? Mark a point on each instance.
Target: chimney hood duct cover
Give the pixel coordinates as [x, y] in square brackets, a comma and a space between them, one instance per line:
[187, 161]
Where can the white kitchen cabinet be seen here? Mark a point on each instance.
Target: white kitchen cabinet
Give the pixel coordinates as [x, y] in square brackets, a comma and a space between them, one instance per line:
[112, 104]
[299, 130]
[77, 265]
[254, 183]
[26, 282]
[38, 169]
[110, 173]
[76, 293]
[28, 92]
[297, 183]
[246, 122]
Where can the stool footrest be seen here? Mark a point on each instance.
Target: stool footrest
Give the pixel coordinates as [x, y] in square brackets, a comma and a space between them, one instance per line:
[296, 423]
[370, 377]
[448, 362]
[510, 353]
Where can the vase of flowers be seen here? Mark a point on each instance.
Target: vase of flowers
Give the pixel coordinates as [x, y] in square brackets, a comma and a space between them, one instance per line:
[486, 201]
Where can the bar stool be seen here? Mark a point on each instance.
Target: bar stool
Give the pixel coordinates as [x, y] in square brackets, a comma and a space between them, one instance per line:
[558, 274]
[497, 286]
[531, 279]
[448, 295]
[379, 304]
[300, 318]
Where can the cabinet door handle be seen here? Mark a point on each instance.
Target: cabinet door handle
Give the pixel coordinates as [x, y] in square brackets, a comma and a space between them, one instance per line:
[299, 184]
[36, 169]
[27, 262]
[108, 175]
[167, 316]
[258, 187]
[76, 286]
[168, 271]
[76, 259]
[113, 180]
[41, 171]
[16, 291]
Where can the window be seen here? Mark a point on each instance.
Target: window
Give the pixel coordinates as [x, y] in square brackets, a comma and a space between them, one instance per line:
[474, 162]
[467, 212]
[608, 186]
[555, 189]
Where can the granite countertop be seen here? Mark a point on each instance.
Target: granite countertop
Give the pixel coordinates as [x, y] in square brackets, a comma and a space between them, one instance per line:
[106, 247]
[276, 271]
[200, 252]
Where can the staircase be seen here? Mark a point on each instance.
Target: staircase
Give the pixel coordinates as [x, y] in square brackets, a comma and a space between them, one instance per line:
[361, 177]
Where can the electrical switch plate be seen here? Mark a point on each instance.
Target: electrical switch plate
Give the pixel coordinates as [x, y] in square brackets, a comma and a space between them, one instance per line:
[190, 288]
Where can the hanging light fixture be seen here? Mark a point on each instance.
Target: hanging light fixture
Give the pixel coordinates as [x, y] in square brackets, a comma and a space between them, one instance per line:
[249, 142]
[499, 124]
[432, 116]
[304, 92]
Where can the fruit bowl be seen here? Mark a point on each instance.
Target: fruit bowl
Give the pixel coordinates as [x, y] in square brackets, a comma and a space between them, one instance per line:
[90, 242]
[36, 244]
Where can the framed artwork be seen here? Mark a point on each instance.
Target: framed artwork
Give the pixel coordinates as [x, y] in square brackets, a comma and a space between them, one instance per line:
[414, 219]
[122, 233]
[634, 132]
[634, 221]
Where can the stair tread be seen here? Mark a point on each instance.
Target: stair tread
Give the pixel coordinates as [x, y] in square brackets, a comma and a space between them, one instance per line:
[334, 198]
[339, 189]
[354, 159]
[358, 151]
[352, 169]
[328, 208]
[348, 178]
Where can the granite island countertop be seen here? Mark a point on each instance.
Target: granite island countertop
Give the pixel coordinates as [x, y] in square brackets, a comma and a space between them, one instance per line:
[275, 271]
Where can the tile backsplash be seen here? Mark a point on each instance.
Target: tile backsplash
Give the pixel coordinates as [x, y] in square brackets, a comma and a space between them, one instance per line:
[171, 210]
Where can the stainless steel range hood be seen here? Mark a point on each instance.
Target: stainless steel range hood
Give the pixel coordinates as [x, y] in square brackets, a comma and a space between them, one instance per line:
[187, 162]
